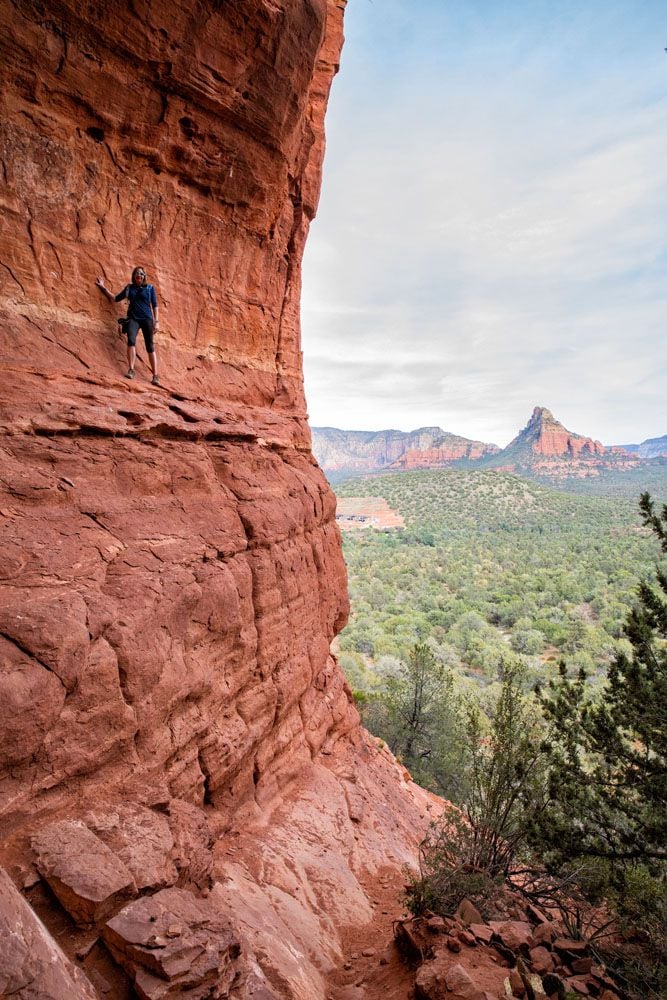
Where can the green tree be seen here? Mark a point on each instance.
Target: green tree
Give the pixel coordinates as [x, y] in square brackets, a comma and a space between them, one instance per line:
[414, 701]
[609, 754]
[506, 774]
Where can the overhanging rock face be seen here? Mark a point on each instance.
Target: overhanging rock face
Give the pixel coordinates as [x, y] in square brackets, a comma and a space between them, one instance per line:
[170, 566]
[172, 572]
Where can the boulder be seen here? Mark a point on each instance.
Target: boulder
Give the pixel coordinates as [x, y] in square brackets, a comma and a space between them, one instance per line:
[514, 934]
[90, 881]
[411, 939]
[541, 960]
[482, 932]
[141, 838]
[582, 966]
[460, 985]
[437, 980]
[176, 943]
[468, 913]
[569, 946]
[543, 934]
[467, 938]
[576, 984]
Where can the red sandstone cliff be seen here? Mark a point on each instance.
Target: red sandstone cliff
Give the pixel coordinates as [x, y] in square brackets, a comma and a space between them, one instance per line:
[171, 569]
[545, 448]
[546, 436]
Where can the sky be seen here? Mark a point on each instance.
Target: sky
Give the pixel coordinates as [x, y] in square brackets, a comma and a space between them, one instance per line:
[492, 229]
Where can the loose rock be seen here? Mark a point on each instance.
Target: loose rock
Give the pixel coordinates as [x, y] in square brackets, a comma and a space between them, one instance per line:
[87, 877]
[468, 913]
[205, 956]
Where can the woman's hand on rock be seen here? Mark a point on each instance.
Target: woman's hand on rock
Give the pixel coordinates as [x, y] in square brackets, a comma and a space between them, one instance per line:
[100, 282]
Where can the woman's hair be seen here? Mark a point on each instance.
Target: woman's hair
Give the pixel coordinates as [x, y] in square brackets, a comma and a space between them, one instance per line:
[141, 271]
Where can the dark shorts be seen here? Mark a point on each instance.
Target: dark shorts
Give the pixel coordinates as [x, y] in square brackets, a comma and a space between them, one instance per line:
[146, 327]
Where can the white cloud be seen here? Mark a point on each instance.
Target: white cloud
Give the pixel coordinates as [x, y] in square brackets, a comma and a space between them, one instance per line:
[491, 231]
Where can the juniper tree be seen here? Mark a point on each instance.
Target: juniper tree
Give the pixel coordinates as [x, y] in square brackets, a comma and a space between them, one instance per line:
[414, 700]
[471, 850]
[608, 780]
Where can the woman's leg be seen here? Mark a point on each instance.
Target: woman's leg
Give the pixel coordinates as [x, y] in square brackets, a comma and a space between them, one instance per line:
[148, 332]
[132, 331]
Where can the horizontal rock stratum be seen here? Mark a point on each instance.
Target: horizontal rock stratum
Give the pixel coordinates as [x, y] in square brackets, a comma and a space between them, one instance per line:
[171, 568]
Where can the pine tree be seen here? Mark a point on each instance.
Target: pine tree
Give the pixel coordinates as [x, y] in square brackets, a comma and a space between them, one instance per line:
[608, 781]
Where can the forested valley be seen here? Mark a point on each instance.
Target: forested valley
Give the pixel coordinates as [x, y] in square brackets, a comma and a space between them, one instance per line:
[489, 565]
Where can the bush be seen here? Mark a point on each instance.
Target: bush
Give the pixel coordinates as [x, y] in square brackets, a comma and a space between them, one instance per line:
[445, 876]
[472, 850]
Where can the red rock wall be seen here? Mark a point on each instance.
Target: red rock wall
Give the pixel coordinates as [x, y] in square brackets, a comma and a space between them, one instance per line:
[174, 725]
[183, 136]
[171, 568]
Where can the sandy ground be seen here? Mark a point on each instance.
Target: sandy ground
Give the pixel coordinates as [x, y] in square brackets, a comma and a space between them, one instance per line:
[372, 968]
[357, 513]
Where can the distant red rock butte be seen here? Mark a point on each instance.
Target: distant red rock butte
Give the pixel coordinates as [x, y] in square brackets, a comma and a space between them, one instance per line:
[543, 447]
[546, 436]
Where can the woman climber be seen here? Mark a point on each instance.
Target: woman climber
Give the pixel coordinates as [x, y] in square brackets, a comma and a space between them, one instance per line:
[142, 314]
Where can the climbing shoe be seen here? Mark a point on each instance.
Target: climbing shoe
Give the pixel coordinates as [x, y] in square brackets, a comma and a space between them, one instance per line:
[155, 380]
[129, 373]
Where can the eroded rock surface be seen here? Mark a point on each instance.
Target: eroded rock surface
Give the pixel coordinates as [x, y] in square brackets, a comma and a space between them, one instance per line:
[176, 944]
[172, 573]
[301, 879]
[143, 841]
[193, 843]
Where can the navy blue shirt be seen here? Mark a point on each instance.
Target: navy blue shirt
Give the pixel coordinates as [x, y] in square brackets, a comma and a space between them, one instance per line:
[141, 297]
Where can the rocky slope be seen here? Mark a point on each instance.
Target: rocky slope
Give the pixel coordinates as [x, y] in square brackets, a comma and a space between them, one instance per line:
[171, 574]
[370, 451]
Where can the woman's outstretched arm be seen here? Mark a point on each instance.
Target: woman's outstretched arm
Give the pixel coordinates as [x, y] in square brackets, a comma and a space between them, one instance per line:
[110, 295]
